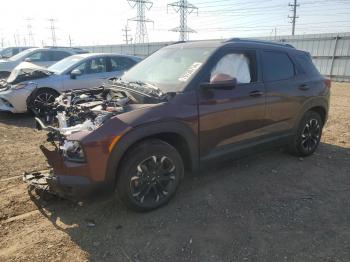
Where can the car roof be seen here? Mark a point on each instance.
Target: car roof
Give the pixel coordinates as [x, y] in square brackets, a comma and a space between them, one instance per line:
[238, 42]
[86, 55]
[69, 49]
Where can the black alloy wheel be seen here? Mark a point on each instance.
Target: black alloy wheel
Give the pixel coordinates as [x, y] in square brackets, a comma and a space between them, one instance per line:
[308, 136]
[41, 101]
[311, 134]
[153, 180]
[149, 175]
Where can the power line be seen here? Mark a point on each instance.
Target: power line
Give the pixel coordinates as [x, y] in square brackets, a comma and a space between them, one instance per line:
[294, 17]
[141, 35]
[183, 8]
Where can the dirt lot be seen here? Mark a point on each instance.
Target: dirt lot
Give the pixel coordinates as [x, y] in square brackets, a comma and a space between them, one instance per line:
[267, 207]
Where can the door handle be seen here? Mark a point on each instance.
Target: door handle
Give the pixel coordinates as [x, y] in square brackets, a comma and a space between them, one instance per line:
[256, 93]
[304, 87]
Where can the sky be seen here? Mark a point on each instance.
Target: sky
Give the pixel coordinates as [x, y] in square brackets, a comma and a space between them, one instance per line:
[89, 22]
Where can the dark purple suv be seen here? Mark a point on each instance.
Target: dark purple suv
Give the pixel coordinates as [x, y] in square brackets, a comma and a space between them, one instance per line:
[184, 105]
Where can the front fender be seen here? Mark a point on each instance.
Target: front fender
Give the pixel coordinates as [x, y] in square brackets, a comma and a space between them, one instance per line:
[147, 130]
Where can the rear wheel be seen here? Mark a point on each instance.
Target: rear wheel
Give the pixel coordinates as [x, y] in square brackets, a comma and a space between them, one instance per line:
[308, 135]
[42, 99]
[150, 175]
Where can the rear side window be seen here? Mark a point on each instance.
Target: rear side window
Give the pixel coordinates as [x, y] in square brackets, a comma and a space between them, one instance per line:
[306, 65]
[58, 55]
[277, 66]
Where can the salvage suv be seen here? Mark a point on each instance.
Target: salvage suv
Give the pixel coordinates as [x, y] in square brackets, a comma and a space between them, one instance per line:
[186, 104]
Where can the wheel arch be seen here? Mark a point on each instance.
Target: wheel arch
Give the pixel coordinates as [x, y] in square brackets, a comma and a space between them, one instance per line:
[177, 134]
[318, 105]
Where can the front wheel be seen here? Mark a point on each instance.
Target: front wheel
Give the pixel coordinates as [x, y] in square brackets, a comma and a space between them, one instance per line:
[150, 174]
[308, 135]
[42, 99]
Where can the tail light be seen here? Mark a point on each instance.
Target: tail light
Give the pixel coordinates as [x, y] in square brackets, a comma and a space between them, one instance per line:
[328, 82]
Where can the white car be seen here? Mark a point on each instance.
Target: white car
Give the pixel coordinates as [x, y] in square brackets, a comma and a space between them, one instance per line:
[7, 52]
[36, 86]
[45, 57]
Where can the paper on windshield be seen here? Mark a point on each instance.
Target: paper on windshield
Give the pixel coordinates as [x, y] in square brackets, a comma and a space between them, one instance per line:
[189, 72]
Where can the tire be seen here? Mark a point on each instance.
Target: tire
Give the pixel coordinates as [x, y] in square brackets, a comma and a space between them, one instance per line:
[150, 175]
[41, 99]
[308, 135]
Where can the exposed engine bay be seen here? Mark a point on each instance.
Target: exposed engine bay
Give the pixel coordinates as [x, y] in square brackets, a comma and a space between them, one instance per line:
[87, 109]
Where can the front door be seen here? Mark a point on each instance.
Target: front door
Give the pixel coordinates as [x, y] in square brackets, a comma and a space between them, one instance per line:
[228, 117]
[93, 74]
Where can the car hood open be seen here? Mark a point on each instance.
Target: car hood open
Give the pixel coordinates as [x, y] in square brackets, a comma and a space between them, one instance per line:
[26, 71]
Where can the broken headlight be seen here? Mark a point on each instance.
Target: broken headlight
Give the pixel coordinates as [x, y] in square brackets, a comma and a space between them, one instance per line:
[73, 151]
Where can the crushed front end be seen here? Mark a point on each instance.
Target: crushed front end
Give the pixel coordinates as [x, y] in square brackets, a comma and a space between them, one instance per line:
[82, 127]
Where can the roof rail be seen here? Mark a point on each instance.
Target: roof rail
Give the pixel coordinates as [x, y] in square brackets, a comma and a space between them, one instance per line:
[258, 42]
[70, 47]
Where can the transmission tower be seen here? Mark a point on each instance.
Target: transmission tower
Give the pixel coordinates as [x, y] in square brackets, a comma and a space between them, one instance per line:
[294, 16]
[183, 8]
[30, 31]
[53, 31]
[141, 35]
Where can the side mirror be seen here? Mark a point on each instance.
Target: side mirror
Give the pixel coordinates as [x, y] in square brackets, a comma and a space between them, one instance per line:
[221, 81]
[74, 73]
[28, 60]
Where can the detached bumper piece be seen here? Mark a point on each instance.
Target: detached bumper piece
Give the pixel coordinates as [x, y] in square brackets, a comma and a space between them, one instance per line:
[38, 179]
[68, 187]
[47, 182]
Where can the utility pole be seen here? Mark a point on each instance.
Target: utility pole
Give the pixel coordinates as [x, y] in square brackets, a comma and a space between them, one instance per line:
[30, 32]
[294, 17]
[141, 35]
[53, 31]
[126, 30]
[70, 41]
[183, 8]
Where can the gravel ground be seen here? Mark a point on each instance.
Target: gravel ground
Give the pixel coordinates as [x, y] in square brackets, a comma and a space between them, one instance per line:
[266, 207]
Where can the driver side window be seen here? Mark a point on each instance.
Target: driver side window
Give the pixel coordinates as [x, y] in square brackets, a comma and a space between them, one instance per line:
[234, 65]
[93, 66]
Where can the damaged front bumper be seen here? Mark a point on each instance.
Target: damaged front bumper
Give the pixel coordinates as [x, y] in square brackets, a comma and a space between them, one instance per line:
[53, 181]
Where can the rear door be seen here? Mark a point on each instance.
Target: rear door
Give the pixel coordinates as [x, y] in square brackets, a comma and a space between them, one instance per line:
[286, 90]
[94, 73]
[227, 117]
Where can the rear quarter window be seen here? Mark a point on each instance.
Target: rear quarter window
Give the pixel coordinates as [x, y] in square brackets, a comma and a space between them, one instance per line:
[306, 65]
[277, 66]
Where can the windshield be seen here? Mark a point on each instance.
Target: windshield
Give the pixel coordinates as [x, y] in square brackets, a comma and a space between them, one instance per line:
[169, 68]
[21, 55]
[6, 53]
[64, 64]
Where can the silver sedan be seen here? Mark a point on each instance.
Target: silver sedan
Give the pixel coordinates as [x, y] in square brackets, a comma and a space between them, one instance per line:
[34, 85]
